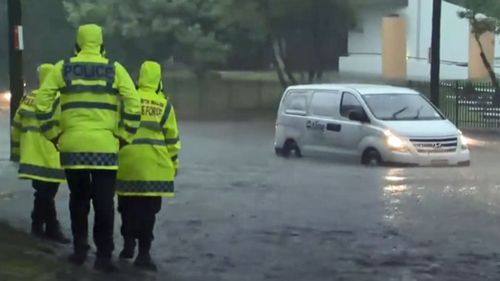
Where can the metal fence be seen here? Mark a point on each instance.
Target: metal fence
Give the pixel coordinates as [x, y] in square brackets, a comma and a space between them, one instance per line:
[467, 104]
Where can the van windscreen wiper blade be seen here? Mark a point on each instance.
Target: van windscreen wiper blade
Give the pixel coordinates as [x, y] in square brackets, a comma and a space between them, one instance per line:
[395, 114]
[418, 112]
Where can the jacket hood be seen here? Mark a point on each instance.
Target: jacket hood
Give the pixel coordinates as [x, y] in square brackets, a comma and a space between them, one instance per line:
[90, 37]
[150, 76]
[43, 72]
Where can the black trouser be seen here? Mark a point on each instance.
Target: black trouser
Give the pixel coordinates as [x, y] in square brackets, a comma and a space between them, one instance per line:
[44, 207]
[97, 186]
[138, 218]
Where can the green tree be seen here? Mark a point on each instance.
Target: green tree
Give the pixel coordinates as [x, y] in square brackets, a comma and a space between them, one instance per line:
[276, 23]
[203, 33]
[180, 29]
[479, 14]
[457, 2]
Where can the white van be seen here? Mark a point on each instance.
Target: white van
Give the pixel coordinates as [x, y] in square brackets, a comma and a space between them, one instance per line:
[379, 124]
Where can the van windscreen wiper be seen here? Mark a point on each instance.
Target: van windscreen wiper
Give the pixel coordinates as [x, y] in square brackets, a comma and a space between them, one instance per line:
[418, 112]
[395, 114]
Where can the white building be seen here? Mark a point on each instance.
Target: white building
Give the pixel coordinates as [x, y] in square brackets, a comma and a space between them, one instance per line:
[365, 44]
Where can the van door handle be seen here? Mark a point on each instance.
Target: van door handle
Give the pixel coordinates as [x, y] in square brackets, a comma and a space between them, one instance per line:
[333, 127]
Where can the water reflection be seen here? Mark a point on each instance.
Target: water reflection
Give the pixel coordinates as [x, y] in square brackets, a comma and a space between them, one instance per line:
[402, 188]
[6, 195]
[393, 191]
[460, 190]
[394, 178]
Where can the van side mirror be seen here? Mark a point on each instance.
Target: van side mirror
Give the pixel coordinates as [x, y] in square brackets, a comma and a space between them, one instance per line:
[358, 115]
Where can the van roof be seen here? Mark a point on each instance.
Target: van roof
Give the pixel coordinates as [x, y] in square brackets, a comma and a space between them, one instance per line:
[364, 89]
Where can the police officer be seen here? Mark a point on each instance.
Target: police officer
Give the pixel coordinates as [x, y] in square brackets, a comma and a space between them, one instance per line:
[39, 162]
[147, 167]
[89, 136]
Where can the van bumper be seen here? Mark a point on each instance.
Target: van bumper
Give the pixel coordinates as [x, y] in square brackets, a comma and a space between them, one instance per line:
[459, 158]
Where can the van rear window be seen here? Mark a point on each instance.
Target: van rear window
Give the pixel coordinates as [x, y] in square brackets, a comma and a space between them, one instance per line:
[324, 104]
[296, 103]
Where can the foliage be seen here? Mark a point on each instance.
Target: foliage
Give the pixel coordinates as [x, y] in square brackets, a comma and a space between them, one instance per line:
[479, 14]
[292, 35]
[482, 15]
[203, 33]
[320, 24]
[182, 29]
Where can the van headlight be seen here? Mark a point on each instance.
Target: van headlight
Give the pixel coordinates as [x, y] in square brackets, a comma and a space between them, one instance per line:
[394, 142]
[7, 96]
[463, 141]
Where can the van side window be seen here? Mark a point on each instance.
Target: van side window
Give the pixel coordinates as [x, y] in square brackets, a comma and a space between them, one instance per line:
[296, 103]
[349, 103]
[325, 104]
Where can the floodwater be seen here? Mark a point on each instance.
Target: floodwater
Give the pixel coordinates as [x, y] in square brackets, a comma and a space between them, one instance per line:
[242, 213]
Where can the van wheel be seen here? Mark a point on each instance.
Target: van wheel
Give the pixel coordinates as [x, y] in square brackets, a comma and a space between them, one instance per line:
[371, 157]
[290, 147]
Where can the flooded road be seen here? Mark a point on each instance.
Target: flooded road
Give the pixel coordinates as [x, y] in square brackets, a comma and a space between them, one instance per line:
[244, 214]
[267, 218]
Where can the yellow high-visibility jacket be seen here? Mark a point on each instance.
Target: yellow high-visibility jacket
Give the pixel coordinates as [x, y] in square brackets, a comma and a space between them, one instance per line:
[148, 165]
[91, 89]
[38, 157]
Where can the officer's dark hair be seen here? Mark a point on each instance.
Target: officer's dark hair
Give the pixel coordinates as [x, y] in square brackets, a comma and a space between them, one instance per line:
[160, 87]
[78, 49]
[160, 84]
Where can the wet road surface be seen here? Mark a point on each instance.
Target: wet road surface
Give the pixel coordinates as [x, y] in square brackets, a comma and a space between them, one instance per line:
[244, 214]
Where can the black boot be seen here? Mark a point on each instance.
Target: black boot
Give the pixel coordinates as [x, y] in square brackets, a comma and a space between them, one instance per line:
[79, 255]
[78, 258]
[53, 228]
[128, 248]
[104, 264]
[144, 260]
[54, 233]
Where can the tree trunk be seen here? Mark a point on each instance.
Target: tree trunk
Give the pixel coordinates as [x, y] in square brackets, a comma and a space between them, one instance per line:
[491, 72]
[318, 41]
[279, 65]
[284, 58]
[302, 77]
[487, 64]
[311, 76]
[319, 75]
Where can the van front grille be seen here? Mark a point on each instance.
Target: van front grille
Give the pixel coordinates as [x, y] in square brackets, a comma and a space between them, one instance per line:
[435, 145]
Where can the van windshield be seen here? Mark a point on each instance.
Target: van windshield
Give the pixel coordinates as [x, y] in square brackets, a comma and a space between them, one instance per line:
[401, 107]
